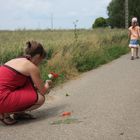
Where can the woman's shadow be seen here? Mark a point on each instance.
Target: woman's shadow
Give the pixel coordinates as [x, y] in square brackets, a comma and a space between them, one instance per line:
[45, 113]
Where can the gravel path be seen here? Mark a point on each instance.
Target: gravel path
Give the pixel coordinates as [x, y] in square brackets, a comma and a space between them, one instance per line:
[104, 105]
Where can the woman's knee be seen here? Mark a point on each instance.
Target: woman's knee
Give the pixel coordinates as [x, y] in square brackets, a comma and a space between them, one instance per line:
[41, 99]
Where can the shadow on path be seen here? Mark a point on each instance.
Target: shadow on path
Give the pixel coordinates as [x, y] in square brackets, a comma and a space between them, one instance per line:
[44, 113]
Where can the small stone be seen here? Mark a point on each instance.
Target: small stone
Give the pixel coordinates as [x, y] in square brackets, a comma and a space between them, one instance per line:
[122, 133]
[67, 94]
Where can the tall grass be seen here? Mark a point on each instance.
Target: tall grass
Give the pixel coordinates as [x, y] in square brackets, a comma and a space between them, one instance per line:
[67, 56]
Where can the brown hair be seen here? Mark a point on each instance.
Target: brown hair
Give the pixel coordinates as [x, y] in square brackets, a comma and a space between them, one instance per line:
[33, 48]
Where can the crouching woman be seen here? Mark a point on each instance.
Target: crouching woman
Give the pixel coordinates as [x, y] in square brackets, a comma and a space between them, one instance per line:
[21, 86]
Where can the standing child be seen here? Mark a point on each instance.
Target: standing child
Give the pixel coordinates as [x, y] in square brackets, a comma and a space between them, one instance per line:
[134, 34]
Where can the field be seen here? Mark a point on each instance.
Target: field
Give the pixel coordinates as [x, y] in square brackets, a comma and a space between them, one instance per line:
[69, 52]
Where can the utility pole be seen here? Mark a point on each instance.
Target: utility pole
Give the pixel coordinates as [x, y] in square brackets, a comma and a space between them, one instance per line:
[51, 21]
[126, 14]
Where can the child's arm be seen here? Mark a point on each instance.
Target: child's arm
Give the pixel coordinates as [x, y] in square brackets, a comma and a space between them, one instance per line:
[139, 31]
[129, 33]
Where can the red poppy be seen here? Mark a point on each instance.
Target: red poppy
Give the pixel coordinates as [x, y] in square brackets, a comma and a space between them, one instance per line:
[55, 75]
[66, 113]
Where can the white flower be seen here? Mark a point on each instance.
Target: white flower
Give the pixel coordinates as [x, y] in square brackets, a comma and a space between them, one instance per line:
[50, 76]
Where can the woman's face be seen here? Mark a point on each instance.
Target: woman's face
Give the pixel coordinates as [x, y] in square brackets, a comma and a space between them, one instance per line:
[37, 59]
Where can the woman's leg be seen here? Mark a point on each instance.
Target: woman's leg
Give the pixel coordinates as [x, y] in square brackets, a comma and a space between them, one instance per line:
[40, 102]
[6, 119]
[22, 115]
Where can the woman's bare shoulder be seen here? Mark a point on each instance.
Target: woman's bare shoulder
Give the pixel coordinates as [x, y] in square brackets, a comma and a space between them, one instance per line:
[22, 65]
[17, 61]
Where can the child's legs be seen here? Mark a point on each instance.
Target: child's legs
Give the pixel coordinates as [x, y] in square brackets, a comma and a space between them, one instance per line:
[137, 51]
[132, 51]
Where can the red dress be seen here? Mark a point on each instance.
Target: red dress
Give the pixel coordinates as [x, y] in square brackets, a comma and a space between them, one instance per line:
[17, 91]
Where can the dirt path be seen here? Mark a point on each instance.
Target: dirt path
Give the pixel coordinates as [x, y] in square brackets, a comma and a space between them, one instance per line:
[105, 105]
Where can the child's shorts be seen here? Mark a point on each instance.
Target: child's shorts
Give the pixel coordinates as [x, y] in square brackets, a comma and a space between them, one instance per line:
[134, 43]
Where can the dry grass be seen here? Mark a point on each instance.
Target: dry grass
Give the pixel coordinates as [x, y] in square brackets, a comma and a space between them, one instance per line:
[66, 56]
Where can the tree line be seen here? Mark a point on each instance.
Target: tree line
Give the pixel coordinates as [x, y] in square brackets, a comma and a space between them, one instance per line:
[116, 14]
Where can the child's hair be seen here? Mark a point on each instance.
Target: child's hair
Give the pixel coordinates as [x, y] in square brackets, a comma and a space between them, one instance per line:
[33, 48]
[134, 21]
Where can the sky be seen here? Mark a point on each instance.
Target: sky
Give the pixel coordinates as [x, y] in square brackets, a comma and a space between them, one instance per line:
[48, 14]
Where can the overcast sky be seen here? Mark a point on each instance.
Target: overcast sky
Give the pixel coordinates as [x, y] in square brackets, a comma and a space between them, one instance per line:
[34, 14]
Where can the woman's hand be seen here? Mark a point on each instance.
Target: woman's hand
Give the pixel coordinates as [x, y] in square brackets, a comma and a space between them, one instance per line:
[48, 85]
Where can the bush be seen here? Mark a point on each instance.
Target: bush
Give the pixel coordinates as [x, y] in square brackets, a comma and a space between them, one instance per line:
[100, 22]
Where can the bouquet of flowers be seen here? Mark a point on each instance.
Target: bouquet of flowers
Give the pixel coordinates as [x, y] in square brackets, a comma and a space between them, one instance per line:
[53, 75]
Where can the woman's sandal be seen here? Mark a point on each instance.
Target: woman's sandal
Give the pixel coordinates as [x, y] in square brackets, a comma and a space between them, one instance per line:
[23, 116]
[7, 120]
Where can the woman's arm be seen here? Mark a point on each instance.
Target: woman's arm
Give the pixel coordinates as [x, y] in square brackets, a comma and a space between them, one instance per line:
[35, 75]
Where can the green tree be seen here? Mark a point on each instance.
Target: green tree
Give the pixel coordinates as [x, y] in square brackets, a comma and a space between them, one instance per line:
[134, 9]
[116, 12]
[100, 22]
